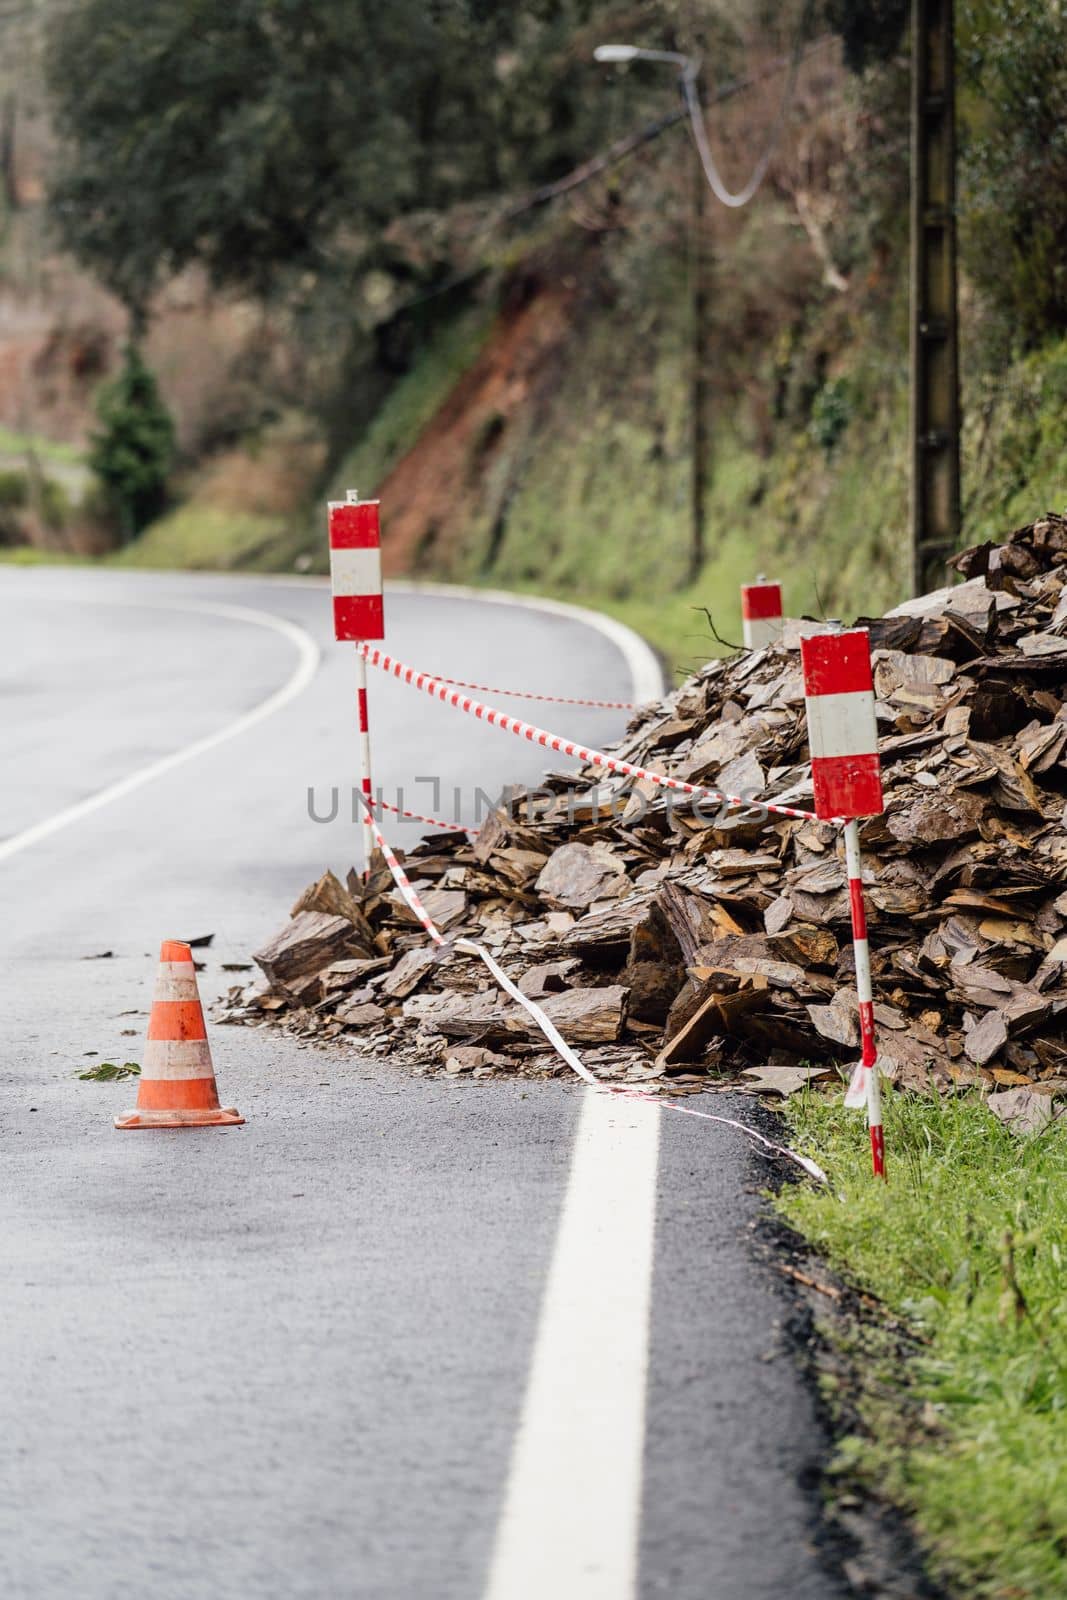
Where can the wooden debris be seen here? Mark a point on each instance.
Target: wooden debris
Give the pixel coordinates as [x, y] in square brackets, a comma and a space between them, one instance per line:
[310, 942]
[663, 937]
[329, 894]
[576, 874]
[1022, 1111]
[361, 1016]
[409, 972]
[782, 1081]
[586, 1016]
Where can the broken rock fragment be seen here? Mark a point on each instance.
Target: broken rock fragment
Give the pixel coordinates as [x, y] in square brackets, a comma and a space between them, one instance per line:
[672, 940]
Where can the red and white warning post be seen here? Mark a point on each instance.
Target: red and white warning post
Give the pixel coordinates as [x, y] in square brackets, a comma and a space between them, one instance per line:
[358, 614]
[761, 613]
[843, 738]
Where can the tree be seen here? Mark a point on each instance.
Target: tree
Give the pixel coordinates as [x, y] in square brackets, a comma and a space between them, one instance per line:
[276, 139]
[132, 453]
[871, 32]
[1013, 173]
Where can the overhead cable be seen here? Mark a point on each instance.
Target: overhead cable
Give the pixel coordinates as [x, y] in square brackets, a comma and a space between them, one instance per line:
[700, 134]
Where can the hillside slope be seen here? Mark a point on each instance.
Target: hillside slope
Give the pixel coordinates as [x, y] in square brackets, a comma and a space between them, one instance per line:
[550, 450]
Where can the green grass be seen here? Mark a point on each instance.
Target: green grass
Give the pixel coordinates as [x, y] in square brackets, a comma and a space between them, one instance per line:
[17, 444]
[968, 1243]
[28, 555]
[200, 536]
[1015, 444]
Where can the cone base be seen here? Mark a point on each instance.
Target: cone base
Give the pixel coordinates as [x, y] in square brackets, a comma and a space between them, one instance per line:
[220, 1116]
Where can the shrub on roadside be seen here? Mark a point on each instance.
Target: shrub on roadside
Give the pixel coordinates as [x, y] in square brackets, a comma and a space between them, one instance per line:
[13, 495]
[132, 452]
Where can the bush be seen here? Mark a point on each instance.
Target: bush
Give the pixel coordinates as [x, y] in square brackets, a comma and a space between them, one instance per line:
[132, 454]
[13, 491]
[13, 497]
[54, 505]
[831, 413]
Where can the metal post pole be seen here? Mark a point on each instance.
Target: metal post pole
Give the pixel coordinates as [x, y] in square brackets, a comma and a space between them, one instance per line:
[700, 423]
[935, 406]
[364, 761]
[869, 1057]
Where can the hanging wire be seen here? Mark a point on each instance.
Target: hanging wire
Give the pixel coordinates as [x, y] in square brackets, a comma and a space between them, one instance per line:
[700, 134]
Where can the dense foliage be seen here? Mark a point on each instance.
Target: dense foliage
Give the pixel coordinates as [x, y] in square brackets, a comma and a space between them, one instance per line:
[1013, 81]
[273, 136]
[132, 451]
[869, 32]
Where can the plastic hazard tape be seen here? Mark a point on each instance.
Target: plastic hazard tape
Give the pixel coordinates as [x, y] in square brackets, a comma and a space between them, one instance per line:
[440, 689]
[417, 816]
[550, 699]
[551, 1032]
[400, 878]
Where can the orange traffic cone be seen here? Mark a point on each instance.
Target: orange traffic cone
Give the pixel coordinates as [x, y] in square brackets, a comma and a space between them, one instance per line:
[177, 1088]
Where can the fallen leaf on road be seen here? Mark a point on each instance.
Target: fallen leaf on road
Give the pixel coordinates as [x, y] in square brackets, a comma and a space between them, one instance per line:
[110, 1072]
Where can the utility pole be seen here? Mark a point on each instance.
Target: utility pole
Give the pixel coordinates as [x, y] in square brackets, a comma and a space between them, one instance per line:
[935, 403]
[699, 386]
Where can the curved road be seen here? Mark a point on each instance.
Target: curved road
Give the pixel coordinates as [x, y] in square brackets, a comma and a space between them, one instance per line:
[393, 1339]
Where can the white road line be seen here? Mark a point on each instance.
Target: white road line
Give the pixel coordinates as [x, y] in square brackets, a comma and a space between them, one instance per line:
[306, 667]
[571, 1518]
[642, 663]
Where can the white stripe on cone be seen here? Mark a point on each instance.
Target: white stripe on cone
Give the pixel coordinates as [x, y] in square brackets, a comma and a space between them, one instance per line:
[172, 982]
[177, 1058]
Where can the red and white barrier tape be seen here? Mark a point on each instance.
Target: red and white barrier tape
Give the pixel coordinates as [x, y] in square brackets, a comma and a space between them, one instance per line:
[417, 816]
[552, 699]
[437, 822]
[400, 878]
[552, 1033]
[441, 690]
[812, 1168]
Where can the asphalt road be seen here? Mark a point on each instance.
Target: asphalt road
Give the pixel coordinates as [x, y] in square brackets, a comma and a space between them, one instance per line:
[395, 1339]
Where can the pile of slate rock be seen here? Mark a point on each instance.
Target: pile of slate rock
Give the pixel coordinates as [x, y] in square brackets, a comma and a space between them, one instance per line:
[681, 948]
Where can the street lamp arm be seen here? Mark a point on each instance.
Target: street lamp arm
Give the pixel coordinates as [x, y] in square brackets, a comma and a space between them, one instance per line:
[689, 71]
[631, 52]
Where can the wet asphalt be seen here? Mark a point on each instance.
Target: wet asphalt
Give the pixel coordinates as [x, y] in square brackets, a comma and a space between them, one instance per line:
[288, 1359]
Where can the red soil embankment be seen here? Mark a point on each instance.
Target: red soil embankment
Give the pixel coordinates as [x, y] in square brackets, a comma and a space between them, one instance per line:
[438, 490]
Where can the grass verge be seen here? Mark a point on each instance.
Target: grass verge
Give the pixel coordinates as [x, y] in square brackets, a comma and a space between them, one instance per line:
[967, 1245]
[20, 444]
[205, 537]
[28, 555]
